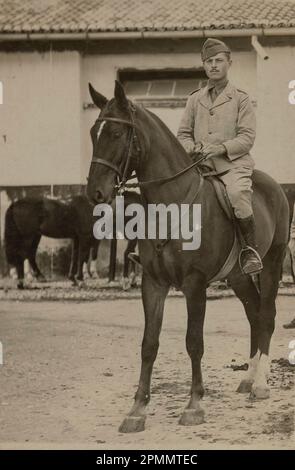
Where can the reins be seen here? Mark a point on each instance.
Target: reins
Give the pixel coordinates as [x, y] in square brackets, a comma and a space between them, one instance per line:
[132, 139]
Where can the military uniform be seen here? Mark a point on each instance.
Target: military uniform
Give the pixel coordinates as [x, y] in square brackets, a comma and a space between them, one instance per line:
[228, 119]
[221, 114]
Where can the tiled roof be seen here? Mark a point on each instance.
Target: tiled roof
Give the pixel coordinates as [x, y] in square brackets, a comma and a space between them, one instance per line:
[31, 16]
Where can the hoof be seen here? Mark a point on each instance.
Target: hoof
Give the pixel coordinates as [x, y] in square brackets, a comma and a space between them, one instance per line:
[94, 275]
[245, 386]
[133, 424]
[260, 393]
[20, 285]
[192, 417]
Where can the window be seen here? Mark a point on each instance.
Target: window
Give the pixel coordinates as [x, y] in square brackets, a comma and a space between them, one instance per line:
[161, 88]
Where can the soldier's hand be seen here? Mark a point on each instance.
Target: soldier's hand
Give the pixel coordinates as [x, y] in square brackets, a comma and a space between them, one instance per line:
[213, 150]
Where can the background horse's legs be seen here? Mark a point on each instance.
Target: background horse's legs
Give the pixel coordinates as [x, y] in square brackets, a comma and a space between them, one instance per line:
[246, 291]
[32, 258]
[153, 296]
[83, 255]
[195, 293]
[74, 259]
[129, 278]
[93, 258]
[269, 282]
[20, 272]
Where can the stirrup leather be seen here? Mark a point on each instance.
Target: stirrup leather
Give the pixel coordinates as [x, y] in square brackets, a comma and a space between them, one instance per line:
[258, 263]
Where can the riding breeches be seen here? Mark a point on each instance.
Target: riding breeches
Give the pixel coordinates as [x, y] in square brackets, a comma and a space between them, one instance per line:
[238, 185]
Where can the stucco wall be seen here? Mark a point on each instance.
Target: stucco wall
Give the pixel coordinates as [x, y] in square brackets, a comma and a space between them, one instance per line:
[275, 146]
[40, 118]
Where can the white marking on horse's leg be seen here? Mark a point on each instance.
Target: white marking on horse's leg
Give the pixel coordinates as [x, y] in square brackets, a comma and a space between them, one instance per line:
[253, 364]
[93, 266]
[13, 273]
[260, 389]
[263, 371]
[85, 271]
[27, 270]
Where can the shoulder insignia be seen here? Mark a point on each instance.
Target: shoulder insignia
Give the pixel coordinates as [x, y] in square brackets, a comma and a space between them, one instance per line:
[242, 91]
[195, 91]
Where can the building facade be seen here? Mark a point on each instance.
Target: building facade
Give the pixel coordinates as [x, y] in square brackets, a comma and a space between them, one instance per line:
[50, 50]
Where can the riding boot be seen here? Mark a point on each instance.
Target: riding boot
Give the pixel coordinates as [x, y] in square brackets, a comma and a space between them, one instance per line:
[250, 260]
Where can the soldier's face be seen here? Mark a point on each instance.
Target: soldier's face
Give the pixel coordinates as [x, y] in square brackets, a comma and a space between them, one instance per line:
[216, 67]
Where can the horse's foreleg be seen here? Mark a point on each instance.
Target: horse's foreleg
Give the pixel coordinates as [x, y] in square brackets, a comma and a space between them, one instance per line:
[74, 259]
[153, 296]
[195, 292]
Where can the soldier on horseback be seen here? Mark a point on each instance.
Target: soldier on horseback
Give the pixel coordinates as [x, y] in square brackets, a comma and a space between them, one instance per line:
[219, 123]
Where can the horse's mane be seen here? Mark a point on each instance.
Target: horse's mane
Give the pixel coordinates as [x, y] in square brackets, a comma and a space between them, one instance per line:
[165, 129]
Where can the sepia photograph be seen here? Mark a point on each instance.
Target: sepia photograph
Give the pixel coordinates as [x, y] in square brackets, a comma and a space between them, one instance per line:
[147, 227]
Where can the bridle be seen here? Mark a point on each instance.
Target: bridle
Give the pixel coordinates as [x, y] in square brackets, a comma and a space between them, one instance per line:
[133, 140]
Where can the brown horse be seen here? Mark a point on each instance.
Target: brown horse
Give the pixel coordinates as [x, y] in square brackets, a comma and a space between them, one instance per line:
[127, 137]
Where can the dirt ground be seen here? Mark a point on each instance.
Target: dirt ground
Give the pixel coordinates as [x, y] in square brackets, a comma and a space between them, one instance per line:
[70, 372]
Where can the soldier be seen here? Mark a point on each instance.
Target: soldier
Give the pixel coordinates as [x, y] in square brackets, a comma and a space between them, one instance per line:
[219, 122]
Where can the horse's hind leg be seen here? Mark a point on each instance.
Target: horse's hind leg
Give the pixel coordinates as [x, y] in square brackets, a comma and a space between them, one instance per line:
[269, 282]
[247, 293]
[153, 296]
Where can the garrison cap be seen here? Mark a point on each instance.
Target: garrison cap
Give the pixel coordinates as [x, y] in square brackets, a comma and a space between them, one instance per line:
[212, 47]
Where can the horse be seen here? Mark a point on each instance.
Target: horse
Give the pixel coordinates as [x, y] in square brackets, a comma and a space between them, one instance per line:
[127, 137]
[27, 219]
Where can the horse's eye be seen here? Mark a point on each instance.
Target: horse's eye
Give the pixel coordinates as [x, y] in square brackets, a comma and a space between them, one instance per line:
[117, 134]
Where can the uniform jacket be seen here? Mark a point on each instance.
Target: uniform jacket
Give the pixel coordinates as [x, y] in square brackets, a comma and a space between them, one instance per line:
[229, 120]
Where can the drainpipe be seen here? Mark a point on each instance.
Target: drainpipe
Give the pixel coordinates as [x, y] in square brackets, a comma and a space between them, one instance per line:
[258, 48]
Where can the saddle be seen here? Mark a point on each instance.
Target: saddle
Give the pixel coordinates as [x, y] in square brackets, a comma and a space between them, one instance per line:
[222, 197]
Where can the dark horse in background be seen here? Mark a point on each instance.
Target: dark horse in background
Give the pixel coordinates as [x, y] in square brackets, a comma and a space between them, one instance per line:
[133, 138]
[27, 219]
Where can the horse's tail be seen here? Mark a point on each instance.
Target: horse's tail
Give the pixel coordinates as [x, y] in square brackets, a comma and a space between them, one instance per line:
[12, 237]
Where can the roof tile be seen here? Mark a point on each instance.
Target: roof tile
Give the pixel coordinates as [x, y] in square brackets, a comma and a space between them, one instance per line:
[139, 15]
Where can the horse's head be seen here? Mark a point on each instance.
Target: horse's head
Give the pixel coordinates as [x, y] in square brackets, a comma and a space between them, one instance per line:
[114, 145]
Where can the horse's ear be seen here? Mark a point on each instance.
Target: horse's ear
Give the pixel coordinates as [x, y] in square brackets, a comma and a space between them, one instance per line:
[120, 95]
[99, 100]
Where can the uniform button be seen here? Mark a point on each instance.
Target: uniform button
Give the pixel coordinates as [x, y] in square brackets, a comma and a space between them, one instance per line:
[211, 113]
[209, 132]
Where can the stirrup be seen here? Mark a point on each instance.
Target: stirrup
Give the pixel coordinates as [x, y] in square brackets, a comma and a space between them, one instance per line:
[257, 267]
